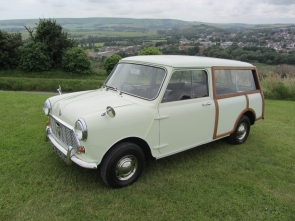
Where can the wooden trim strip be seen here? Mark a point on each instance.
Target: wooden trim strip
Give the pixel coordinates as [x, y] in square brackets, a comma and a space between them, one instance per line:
[263, 105]
[247, 100]
[237, 94]
[259, 118]
[216, 118]
[235, 125]
[233, 68]
[213, 83]
[215, 102]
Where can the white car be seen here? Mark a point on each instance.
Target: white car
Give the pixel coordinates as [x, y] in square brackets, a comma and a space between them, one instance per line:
[154, 106]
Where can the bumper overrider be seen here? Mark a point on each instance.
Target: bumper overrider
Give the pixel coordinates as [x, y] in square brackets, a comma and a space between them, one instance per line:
[67, 155]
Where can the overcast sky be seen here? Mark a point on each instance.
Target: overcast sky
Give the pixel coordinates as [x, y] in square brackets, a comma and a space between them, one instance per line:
[213, 11]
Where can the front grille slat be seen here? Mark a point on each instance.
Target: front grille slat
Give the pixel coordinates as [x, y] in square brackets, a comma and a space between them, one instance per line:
[64, 134]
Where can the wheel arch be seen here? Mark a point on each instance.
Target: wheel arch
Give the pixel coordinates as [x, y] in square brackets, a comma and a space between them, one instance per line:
[251, 115]
[139, 142]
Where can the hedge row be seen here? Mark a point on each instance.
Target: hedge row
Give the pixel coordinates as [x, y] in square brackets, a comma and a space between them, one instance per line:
[273, 87]
[48, 85]
[99, 75]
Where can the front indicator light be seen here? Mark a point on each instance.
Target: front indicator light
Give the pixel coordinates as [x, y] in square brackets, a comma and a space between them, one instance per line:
[48, 123]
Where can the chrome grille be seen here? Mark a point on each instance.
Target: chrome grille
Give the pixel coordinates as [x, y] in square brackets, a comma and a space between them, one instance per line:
[64, 134]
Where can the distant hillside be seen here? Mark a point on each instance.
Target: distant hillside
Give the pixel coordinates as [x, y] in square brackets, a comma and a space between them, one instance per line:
[123, 27]
[94, 23]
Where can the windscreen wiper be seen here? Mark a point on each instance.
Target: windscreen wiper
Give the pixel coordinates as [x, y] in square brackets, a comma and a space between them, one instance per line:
[112, 87]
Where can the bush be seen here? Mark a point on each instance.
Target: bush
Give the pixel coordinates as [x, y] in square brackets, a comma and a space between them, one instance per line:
[277, 88]
[282, 92]
[50, 33]
[75, 60]
[149, 51]
[110, 62]
[33, 57]
[9, 43]
[285, 70]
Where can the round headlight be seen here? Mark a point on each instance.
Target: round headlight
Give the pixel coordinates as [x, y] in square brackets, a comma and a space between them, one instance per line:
[46, 107]
[81, 129]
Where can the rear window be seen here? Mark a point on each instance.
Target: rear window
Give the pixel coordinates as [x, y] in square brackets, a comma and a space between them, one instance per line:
[234, 81]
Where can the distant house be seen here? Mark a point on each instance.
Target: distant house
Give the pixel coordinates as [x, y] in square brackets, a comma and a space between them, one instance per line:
[291, 47]
[132, 49]
[182, 47]
[106, 53]
[226, 44]
[207, 43]
[91, 54]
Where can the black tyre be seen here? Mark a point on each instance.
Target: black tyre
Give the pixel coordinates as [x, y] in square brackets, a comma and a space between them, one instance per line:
[123, 165]
[241, 132]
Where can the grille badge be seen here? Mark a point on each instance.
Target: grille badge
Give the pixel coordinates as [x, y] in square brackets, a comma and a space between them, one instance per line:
[57, 129]
[60, 112]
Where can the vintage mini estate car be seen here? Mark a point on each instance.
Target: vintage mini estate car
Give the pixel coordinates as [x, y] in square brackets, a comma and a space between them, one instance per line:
[153, 106]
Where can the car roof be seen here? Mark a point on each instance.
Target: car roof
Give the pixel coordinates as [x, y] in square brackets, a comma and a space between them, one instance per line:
[180, 61]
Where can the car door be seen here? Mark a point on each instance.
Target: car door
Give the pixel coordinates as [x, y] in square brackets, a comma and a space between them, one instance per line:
[187, 112]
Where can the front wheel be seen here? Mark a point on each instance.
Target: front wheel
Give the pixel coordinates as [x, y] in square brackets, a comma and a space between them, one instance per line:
[123, 165]
[241, 132]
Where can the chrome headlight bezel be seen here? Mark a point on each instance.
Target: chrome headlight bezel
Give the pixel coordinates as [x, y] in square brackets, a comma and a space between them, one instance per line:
[81, 130]
[47, 107]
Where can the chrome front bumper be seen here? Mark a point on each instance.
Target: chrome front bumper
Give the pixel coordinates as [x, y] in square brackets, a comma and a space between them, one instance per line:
[67, 155]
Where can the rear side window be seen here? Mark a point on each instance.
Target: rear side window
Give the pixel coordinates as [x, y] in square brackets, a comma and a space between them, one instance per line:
[234, 81]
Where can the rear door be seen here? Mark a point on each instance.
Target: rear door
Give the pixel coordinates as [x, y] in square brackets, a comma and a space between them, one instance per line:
[236, 91]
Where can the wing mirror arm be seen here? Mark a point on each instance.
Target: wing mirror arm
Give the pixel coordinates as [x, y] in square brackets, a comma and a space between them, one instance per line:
[59, 90]
[110, 112]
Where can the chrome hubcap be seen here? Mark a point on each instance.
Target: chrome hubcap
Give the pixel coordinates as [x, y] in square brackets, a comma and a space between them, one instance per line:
[126, 167]
[242, 131]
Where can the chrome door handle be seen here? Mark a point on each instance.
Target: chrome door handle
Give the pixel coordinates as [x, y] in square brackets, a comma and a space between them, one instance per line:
[206, 104]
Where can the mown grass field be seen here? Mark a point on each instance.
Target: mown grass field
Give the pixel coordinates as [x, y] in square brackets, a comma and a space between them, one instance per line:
[49, 81]
[217, 181]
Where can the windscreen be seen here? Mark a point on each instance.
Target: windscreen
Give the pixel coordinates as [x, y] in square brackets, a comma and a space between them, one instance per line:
[137, 80]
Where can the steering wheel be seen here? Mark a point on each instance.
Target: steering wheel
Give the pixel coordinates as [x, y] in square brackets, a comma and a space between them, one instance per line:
[184, 97]
[129, 85]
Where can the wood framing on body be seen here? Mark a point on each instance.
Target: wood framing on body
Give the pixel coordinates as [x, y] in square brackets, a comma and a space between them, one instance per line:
[217, 97]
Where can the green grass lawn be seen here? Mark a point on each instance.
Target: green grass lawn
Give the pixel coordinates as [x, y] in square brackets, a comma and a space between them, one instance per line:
[217, 181]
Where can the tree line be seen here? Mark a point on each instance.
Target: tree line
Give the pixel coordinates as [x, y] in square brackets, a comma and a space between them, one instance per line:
[48, 49]
[251, 54]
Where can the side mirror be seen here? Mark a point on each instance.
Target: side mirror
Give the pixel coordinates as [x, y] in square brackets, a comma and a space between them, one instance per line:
[59, 90]
[110, 112]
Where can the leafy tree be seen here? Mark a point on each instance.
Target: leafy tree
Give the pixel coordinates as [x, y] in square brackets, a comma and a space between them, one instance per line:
[75, 60]
[171, 41]
[160, 43]
[123, 54]
[50, 33]
[193, 51]
[149, 51]
[32, 57]
[110, 62]
[9, 43]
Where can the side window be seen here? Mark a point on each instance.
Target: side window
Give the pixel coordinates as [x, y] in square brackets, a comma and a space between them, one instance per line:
[186, 84]
[200, 83]
[234, 81]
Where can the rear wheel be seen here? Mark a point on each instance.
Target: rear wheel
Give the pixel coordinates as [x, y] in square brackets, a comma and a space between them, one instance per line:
[123, 165]
[241, 132]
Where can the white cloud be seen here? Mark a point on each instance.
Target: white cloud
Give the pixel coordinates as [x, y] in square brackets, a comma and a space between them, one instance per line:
[215, 11]
[279, 2]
